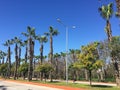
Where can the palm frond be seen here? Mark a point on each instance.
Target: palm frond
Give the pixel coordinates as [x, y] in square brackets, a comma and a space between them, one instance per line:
[25, 34]
[55, 32]
[106, 11]
[47, 34]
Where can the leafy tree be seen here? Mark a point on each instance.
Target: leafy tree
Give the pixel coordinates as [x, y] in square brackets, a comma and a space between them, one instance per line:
[45, 69]
[23, 69]
[3, 69]
[52, 32]
[89, 58]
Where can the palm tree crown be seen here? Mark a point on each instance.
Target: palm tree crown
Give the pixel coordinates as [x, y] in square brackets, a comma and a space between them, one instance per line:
[106, 11]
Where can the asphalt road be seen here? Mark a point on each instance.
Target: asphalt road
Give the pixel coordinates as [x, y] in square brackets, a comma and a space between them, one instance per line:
[5, 85]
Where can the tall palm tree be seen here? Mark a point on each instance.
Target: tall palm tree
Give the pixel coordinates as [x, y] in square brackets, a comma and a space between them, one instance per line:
[7, 44]
[42, 40]
[106, 12]
[30, 35]
[26, 50]
[52, 32]
[16, 41]
[20, 44]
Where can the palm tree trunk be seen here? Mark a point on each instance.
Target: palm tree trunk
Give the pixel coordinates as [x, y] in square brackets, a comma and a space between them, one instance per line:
[41, 60]
[41, 53]
[19, 57]
[30, 68]
[51, 55]
[90, 77]
[9, 62]
[33, 44]
[34, 68]
[16, 62]
[109, 31]
[26, 54]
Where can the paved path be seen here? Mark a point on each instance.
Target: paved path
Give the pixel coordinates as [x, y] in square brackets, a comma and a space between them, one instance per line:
[97, 83]
[6, 85]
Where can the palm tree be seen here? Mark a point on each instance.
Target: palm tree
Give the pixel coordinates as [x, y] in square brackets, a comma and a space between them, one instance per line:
[52, 32]
[30, 35]
[16, 41]
[26, 50]
[20, 44]
[106, 12]
[42, 40]
[7, 44]
[115, 54]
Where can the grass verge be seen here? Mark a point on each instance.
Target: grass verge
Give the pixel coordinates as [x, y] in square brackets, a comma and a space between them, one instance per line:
[74, 85]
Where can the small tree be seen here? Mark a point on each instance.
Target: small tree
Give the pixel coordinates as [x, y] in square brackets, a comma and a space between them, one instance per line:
[23, 69]
[45, 68]
[3, 70]
[89, 59]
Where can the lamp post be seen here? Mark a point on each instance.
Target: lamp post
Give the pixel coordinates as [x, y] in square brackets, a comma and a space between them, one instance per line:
[66, 27]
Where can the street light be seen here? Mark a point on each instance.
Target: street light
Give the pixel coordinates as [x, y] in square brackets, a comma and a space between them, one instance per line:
[66, 27]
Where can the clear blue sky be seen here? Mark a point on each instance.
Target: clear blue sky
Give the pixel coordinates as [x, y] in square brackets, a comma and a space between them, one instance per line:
[16, 15]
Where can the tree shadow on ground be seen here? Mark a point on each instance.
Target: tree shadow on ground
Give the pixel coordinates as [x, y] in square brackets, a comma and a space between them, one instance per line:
[102, 86]
[2, 87]
[54, 82]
